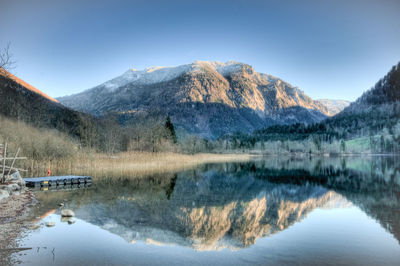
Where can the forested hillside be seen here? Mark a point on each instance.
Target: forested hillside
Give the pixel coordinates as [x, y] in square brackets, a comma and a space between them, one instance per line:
[23, 102]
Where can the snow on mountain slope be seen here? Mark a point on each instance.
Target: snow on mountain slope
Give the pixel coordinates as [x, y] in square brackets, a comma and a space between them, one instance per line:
[149, 75]
[159, 74]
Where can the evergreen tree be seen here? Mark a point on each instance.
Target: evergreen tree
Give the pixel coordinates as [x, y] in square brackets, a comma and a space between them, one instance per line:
[383, 148]
[343, 145]
[170, 127]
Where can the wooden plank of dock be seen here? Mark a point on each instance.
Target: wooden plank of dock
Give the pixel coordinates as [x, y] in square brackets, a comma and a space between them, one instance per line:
[52, 181]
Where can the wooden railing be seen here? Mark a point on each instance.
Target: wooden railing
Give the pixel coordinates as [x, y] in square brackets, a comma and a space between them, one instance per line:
[6, 170]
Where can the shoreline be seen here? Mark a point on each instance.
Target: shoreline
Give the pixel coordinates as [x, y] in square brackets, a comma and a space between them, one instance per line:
[14, 222]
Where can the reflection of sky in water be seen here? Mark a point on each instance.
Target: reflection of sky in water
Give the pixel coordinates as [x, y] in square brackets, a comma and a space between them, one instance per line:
[326, 236]
[226, 216]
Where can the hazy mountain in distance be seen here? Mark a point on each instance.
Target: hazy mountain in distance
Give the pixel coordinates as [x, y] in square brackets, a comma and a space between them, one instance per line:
[206, 98]
[334, 106]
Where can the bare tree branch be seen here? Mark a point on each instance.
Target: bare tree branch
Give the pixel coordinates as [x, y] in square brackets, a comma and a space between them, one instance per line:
[6, 61]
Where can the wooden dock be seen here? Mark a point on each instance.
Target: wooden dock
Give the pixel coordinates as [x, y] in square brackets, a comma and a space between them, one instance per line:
[54, 181]
[47, 183]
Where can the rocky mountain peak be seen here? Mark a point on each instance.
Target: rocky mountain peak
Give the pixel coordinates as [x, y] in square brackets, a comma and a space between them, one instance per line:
[209, 98]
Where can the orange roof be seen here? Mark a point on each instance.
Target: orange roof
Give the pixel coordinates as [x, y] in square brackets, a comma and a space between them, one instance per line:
[26, 85]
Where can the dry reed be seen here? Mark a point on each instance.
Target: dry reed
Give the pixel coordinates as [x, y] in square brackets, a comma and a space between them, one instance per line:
[128, 164]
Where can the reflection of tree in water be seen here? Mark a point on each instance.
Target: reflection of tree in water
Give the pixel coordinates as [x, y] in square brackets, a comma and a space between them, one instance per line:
[171, 187]
[232, 205]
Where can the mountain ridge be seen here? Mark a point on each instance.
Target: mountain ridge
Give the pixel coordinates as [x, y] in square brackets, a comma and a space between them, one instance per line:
[25, 84]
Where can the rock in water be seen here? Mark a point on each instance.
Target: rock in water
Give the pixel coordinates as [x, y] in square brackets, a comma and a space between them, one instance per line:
[34, 227]
[50, 224]
[65, 219]
[67, 213]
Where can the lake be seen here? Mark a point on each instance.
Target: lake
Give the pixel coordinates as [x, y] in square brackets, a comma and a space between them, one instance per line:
[271, 211]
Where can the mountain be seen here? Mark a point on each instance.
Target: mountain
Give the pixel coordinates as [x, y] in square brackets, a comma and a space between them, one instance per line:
[206, 98]
[23, 102]
[334, 106]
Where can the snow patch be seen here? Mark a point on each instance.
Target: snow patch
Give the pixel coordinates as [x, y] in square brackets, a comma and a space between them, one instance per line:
[223, 68]
[157, 74]
[149, 75]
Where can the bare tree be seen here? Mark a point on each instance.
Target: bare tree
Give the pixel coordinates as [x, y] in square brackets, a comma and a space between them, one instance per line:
[6, 61]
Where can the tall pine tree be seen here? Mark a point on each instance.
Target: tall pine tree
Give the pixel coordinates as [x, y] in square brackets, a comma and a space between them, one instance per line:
[170, 127]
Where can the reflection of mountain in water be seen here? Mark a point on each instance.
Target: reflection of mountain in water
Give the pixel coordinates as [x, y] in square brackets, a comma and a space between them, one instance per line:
[205, 210]
[232, 205]
[205, 221]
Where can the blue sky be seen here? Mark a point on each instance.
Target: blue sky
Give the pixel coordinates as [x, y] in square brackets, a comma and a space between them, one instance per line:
[330, 49]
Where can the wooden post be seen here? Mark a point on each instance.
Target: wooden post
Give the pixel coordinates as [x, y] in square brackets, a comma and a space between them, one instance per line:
[3, 179]
[16, 155]
[1, 159]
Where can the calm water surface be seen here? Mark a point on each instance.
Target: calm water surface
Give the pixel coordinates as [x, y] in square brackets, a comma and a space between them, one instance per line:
[275, 211]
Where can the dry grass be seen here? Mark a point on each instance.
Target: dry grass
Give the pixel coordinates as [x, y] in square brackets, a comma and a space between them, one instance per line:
[36, 143]
[129, 164]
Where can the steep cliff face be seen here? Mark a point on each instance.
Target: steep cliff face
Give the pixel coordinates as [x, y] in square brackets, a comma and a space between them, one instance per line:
[205, 98]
